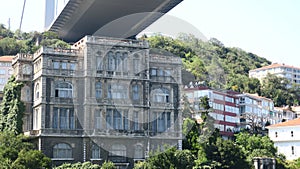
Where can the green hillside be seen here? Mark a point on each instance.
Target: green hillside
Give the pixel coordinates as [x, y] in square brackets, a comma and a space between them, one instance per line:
[211, 61]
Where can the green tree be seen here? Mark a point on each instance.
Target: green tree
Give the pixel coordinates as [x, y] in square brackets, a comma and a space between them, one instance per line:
[12, 108]
[16, 152]
[277, 89]
[171, 158]
[255, 146]
[31, 159]
[191, 132]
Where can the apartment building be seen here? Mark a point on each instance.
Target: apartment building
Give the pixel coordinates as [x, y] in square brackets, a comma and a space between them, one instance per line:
[281, 70]
[256, 111]
[283, 114]
[224, 104]
[103, 99]
[234, 111]
[5, 70]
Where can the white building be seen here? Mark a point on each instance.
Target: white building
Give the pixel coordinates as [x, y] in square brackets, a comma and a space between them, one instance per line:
[255, 110]
[286, 137]
[281, 70]
[5, 70]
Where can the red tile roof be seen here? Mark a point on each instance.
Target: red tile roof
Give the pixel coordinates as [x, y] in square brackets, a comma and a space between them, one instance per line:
[274, 65]
[294, 122]
[6, 58]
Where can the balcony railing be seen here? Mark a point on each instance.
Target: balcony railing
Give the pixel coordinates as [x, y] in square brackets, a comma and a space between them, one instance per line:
[103, 132]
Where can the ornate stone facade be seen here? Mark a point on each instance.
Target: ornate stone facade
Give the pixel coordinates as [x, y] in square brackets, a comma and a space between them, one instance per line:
[103, 99]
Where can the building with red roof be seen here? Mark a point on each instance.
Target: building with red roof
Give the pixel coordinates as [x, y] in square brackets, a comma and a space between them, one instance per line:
[279, 69]
[286, 137]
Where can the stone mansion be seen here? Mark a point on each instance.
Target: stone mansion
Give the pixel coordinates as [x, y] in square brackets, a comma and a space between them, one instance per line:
[102, 99]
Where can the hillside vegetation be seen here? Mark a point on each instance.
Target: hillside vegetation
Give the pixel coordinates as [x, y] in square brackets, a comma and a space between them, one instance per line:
[12, 43]
[218, 66]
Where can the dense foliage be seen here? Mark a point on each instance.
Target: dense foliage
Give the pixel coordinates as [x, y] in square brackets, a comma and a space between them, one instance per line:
[16, 152]
[12, 43]
[226, 67]
[210, 61]
[87, 165]
[12, 108]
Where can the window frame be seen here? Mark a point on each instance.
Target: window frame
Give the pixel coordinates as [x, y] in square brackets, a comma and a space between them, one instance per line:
[64, 92]
[62, 151]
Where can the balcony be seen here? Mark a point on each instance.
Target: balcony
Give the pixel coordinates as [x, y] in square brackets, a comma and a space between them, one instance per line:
[22, 57]
[131, 133]
[112, 42]
[23, 77]
[56, 51]
[51, 131]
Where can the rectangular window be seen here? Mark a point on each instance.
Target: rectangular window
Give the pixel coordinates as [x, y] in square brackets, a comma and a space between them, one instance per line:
[117, 91]
[99, 63]
[2, 81]
[154, 123]
[109, 118]
[153, 72]
[95, 152]
[63, 118]
[55, 65]
[98, 119]
[136, 65]
[125, 120]
[98, 88]
[161, 122]
[55, 118]
[36, 119]
[136, 121]
[117, 120]
[135, 92]
[168, 120]
[161, 72]
[72, 66]
[64, 65]
[2, 72]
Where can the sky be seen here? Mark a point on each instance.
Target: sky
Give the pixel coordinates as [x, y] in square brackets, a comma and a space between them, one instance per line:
[268, 28]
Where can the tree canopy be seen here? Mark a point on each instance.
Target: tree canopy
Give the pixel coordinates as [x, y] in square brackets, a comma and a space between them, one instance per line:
[12, 43]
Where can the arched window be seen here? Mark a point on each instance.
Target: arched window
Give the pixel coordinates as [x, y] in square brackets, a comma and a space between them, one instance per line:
[98, 90]
[37, 91]
[95, 151]
[111, 61]
[62, 150]
[138, 152]
[64, 90]
[161, 95]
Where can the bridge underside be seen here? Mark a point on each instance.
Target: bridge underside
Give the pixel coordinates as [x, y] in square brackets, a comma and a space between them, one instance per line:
[114, 18]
